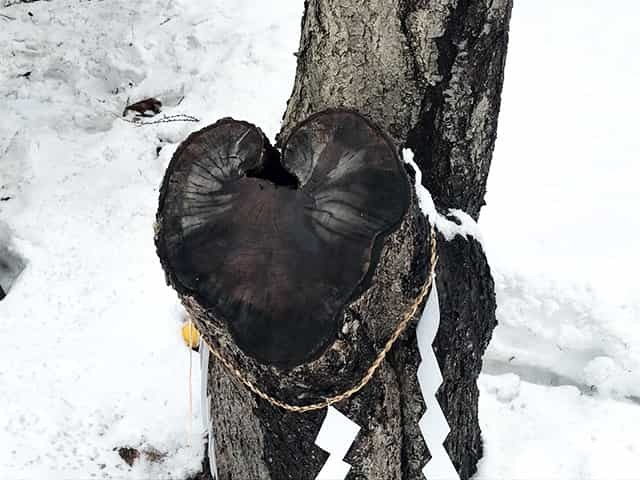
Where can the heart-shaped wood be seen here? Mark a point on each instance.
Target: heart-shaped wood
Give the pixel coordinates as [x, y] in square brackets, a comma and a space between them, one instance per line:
[276, 248]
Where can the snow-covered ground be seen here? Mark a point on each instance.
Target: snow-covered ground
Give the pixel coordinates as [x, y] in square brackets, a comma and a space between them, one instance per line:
[560, 394]
[91, 355]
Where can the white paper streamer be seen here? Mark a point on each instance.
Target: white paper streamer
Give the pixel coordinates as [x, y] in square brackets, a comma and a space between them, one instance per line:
[335, 437]
[433, 423]
[205, 402]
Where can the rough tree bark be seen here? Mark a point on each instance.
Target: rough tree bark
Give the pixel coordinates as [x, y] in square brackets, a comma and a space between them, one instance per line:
[429, 73]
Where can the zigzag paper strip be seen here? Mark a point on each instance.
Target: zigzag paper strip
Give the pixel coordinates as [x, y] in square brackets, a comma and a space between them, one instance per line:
[205, 402]
[433, 423]
[335, 437]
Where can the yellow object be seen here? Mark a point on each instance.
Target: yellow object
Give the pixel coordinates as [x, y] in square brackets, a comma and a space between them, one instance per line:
[191, 335]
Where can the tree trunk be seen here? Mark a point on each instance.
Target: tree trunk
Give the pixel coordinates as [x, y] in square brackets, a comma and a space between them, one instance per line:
[430, 75]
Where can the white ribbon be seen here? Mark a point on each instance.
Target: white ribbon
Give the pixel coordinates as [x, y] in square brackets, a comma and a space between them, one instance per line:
[205, 402]
[433, 423]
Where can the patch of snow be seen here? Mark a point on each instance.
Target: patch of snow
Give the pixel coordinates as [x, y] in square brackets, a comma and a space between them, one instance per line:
[90, 334]
[561, 229]
[573, 331]
[537, 431]
[456, 222]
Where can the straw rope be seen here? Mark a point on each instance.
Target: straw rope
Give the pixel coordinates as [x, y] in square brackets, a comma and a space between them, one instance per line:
[366, 378]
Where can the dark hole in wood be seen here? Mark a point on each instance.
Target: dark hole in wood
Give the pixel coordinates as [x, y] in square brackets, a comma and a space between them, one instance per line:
[273, 171]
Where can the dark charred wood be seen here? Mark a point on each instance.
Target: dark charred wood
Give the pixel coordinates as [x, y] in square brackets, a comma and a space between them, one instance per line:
[276, 249]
